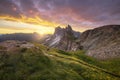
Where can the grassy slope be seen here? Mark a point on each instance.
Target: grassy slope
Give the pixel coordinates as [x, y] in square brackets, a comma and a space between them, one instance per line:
[40, 64]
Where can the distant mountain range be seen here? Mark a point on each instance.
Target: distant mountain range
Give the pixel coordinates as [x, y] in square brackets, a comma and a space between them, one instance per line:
[20, 37]
[101, 43]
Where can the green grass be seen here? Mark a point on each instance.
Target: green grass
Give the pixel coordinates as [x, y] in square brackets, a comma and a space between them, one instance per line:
[111, 64]
[39, 64]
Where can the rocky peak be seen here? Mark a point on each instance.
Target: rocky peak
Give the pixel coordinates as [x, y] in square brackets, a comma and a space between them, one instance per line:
[63, 38]
[57, 29]
[64, 31]
[68, 28]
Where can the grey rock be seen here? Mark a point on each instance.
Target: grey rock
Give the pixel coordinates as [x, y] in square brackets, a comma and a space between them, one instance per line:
[102, 42]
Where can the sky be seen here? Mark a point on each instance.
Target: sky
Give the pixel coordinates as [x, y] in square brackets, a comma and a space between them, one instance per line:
[43, 16]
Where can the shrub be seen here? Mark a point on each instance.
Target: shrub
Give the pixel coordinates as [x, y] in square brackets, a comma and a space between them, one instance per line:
[63, 52]
[23, 50]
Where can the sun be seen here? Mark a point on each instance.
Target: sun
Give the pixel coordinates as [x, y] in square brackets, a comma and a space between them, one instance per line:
[45, 30]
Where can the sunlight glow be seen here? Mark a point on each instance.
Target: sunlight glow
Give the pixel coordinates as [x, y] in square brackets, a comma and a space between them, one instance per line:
[29, 24]
[24, 24]
[34, 20]
[11, 26]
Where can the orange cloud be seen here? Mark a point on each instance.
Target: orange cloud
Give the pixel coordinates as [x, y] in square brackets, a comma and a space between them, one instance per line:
[35, 20]
[30, 24]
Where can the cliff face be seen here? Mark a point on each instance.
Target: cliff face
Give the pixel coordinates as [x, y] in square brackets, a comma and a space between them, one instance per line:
[63, 38]
[102, 42]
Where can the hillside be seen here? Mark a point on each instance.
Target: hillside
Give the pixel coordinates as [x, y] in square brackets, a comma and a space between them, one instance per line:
[103, 42]
[39, 63]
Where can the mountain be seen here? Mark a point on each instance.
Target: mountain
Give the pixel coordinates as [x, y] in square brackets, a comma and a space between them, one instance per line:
[102, 42]
[21, 37]
[63, 38]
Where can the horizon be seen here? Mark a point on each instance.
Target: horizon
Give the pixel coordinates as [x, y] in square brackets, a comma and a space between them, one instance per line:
[54, 30]
[28, 16]
[46, 33]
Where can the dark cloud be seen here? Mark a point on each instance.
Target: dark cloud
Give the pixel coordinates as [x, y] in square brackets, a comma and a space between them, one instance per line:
[8, 8]
[76, 12]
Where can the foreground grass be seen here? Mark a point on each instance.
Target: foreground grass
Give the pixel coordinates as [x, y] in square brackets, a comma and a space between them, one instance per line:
[40, 64]
[111, 65]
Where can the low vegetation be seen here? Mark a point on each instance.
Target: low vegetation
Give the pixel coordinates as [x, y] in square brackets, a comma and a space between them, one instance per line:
[40, 64]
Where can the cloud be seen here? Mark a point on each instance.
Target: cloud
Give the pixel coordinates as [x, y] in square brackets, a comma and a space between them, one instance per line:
[24, 27]
[8, 8]
[78, 13]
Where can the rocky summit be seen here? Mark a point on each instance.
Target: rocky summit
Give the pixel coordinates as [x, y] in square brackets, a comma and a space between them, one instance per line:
[63, 38]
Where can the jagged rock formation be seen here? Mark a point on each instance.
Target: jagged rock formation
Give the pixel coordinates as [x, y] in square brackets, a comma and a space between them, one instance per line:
[63, 38]
[102, 42]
